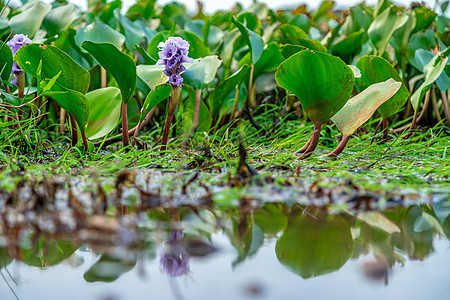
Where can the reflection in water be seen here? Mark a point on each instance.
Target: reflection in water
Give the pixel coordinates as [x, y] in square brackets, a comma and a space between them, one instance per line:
[309, 241]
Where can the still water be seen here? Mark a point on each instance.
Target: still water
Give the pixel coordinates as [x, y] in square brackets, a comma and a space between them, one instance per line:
[276, 251]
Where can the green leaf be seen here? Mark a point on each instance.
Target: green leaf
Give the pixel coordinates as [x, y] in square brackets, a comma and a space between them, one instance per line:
[48, 85]
[323, 83]
[148, 60]
[197, 47]
[6, 61]
[432, 72]
[202, 72]
[253, 40]
[47, 252]
[133, 32]
[421, 40]
[72, 101]
[289, 50]
[99, 32]
[152, 75]
[349, 46]
[383, 27]
[423, 57]
[73, 76]
[290, 34]
[105, 111]
[155, 97]
[30, 19]
[323, 9]
[378, 220]
[375, 69]
[109, 268]
[426, 222]
[60, 18]
[120, 65]
[360, 108]
[424, 17]
[221, 92]
[315, 245]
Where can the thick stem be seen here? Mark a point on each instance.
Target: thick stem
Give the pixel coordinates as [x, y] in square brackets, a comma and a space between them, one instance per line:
[141, 125]
[20, 92]
[173, 103]
[85, 143]
[445, 105]
[235, 104]
[250, 86]
[198, 99]
[434, 103]
[416, 117]
[314, 141]
[103, 77]
[125, 134]
[73, 124]
[303, 149]
[62, 120]
[385, 129]
[339, 147]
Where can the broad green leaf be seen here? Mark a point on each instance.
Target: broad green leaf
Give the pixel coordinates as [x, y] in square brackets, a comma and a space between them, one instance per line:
[133, 32]
[313, 45]
[289, 50]
[324, 8]
[424, 17]
[60, 18]
[360, 108]
[426, 222]
[228, 46]
[99, 32]
[148, 60]
[432, 72]
[270, 218]
[120, 65]
[383, 27]
[197, 47]
[105, 107]
[313, 246]
[378, 220]
[152, 75]
[30, 19]
[349, 46]
[375, 69]
[269, 61]
[250, 20]
[202, 72]
[152, 48]
[290, 34]
[222, 91]
[420, 40]
[253, 40]
[109, 268]
[47, 252]
[362, 16]
[323, 83]
[423, 57]
[6, 61]
[72, 101]
[154, 97]
[73, 76]
[49, 84]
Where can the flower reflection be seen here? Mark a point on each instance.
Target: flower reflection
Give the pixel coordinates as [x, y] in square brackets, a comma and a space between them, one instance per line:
[174, 261]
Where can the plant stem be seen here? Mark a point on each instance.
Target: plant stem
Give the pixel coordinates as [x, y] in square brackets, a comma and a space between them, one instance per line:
[173, 103]
[385, 129]
[250, 86]
[434, 102]
[235, 104]
[62, 119]
[198, 99]
[445, 105]
[125, 135]
[85, 143]
[73, 124]
[103, 77]
[141, 125]
[416, 117]
[314, 141]
[339, 147]
[305, 146]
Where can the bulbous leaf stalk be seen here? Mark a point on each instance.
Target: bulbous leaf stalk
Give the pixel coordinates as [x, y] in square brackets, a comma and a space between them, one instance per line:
[174, 100]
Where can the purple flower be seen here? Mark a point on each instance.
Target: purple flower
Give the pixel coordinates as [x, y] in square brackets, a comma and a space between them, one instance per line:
[173, 53]
[18, 41]
[175, 261]
[175, 79]
[15, 43]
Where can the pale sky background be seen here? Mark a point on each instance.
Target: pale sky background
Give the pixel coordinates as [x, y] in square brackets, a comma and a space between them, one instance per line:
[213, 5]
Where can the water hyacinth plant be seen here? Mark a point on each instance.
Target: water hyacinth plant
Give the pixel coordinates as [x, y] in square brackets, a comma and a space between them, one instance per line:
[15, 44]
[172, 54]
